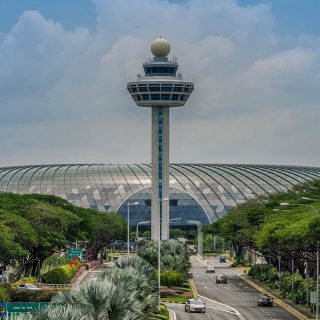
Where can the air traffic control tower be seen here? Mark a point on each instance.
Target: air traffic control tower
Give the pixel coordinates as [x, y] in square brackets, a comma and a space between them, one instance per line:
[160, 88]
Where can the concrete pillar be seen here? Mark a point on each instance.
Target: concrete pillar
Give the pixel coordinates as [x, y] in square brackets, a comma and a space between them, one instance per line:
[160, 181]
[200, 240]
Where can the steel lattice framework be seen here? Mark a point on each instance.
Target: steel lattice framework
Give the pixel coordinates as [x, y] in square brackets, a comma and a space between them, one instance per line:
[197, 191]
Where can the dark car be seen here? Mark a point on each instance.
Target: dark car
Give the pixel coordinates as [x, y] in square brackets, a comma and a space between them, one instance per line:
[221, 278]
[222, 259]
[265, 300]
[195, 305]
[210, 270]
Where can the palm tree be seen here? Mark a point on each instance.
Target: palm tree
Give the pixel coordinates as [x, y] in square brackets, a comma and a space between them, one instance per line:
[135, 262]
[134, 282]
[101, 299]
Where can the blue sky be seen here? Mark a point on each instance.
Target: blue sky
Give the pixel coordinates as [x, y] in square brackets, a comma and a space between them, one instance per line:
[292, 16]
[65, 64]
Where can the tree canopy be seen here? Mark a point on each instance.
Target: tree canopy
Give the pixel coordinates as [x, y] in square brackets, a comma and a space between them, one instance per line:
[32, 227]
[290, 231]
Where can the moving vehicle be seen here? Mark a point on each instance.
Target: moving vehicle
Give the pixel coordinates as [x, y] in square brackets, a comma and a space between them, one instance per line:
[210, 270]
[195, 305]
[265, 300]
[27, 287]
[221, 278]
[222, 259]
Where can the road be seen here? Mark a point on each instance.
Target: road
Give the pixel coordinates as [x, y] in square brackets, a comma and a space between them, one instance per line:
[94, 273]
[223, 301]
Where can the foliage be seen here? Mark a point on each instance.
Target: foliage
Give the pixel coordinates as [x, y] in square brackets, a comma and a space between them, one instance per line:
[32, 296]
[53, 262]
[33, 227]
[289, 232]
[26, 280]
[5, 292]
[269, 275]
[174, 255]
[171, 278]
[60, 275]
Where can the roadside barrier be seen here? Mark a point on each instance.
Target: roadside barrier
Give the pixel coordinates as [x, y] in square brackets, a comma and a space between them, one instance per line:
[193, 288]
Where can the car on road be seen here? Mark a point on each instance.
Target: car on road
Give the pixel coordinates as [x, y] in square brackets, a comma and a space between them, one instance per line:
[221, 278]
[265, 300]
[195, 305]
[27, 287]
[210, 270]
[222, 259]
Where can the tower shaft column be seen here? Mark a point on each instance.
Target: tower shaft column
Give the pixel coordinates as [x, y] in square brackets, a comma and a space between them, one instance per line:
[160, 173]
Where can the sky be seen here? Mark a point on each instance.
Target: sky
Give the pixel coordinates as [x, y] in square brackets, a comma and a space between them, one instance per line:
[64, 66]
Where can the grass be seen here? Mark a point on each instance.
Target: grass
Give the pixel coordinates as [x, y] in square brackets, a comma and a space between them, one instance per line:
[246, 269]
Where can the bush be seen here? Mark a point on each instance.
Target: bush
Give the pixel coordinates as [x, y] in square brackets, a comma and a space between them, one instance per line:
[32, 296]
[169, 293]
[269, 275]
[5, 292]
[26, 280]
[172, 278]
[59, 275]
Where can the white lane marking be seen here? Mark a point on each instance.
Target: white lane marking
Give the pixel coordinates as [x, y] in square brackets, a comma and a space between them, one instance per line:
[209, 317]
[174, 314]
[236, 312]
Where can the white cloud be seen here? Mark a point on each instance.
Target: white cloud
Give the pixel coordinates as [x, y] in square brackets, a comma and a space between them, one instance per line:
[63, 94]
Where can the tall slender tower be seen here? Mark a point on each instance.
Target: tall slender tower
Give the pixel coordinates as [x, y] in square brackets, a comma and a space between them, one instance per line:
[160, 88]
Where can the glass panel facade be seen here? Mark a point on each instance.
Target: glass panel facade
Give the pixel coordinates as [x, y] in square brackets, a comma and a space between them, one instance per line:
[210, 189]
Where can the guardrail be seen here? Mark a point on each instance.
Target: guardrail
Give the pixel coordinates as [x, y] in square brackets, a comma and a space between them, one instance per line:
[54, 286]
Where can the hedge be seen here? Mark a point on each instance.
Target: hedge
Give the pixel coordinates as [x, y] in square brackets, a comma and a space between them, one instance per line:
[59, 275]
[32, 296]
[172, 278]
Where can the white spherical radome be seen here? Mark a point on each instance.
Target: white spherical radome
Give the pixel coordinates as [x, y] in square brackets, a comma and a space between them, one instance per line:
[160, 47]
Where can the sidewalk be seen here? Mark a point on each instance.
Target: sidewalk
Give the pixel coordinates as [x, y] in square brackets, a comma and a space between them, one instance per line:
[284, 303]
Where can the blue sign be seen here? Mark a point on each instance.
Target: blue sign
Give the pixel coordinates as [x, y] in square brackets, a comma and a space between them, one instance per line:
[3, 310]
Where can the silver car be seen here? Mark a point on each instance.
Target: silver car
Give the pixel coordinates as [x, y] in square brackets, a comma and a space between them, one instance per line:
[27, 287]
[210, 270]
[195, 305]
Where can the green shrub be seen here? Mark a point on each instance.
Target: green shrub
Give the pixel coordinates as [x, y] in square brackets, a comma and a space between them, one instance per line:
[59, 275]
[26, 280]
[172, 278]
[32, 296]
[5, 292]
[269, 275]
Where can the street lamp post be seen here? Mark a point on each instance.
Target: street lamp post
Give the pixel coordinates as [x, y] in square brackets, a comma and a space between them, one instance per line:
[140, 224]
[128, 229]
[317, 213]
[200, 235]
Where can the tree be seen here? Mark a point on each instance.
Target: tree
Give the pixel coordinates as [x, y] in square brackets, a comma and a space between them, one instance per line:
[107, 228]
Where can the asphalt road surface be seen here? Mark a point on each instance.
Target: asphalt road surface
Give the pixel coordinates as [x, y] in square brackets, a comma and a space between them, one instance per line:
[95, 273]
[231, 301]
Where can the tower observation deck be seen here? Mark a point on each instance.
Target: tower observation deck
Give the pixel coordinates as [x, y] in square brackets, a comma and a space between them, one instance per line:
[160, 88]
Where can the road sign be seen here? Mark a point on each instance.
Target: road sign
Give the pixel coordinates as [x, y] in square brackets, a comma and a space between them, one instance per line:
[74, 253]
[313, 297]
[8, 310]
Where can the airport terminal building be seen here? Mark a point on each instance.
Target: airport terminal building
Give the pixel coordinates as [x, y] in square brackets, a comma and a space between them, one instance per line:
[202, 192]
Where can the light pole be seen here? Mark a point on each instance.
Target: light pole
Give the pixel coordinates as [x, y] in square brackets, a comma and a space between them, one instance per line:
[200, 235]
[159, 252]
[140, 224]
[128, 229]
[317, 213]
